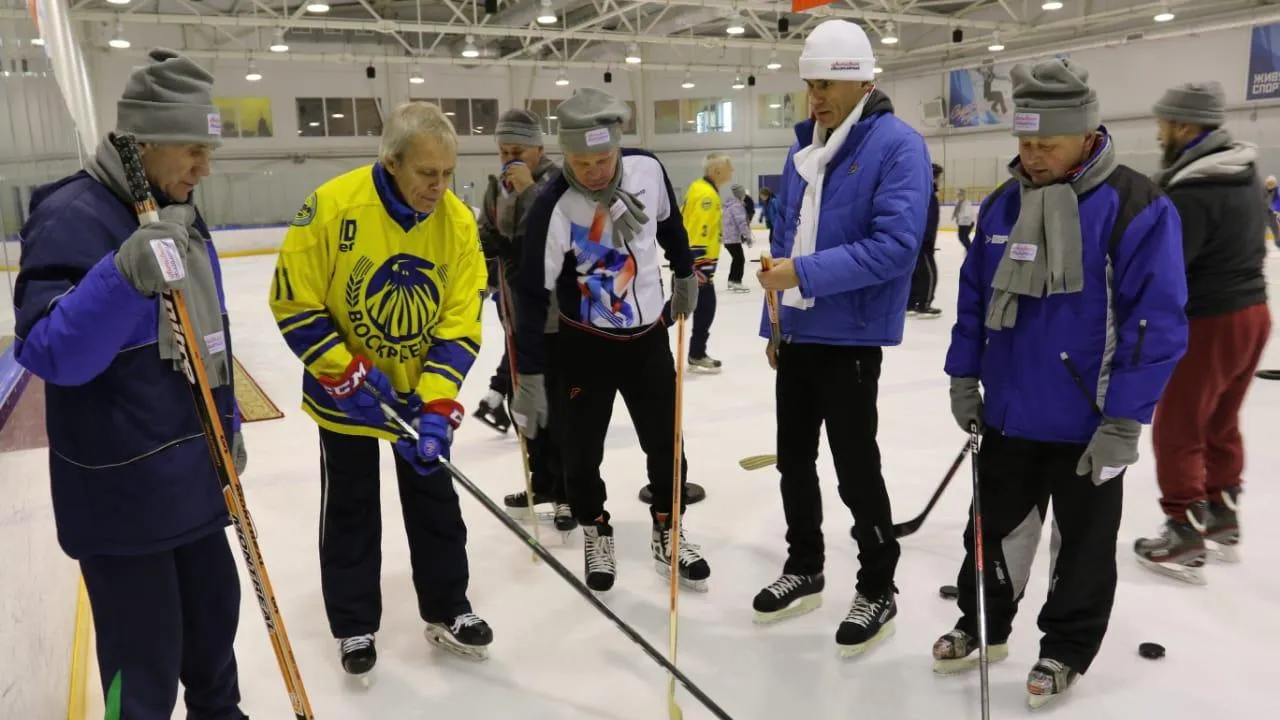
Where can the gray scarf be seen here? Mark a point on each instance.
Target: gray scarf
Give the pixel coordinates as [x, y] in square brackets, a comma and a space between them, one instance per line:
[1043, 255]
[626, 209]
[200, 291]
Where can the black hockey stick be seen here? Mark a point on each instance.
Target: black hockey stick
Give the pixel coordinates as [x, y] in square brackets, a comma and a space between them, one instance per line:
[911, 526]
[175, 309]
[555, 564]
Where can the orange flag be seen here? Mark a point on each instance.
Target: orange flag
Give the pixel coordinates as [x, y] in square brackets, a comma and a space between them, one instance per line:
[802, 5]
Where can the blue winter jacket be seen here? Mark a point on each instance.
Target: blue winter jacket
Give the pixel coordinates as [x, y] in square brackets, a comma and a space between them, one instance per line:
[874, 199]
[130, 468]
[1071, 359]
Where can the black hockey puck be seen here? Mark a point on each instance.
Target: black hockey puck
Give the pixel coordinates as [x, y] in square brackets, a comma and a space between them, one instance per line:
[950, 592]
[1151, 651]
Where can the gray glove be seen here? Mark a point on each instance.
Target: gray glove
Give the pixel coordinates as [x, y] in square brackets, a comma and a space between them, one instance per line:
[137, 260]
[684, 295]
[529, 405]
[966, 402]
[238, 453]
[1113, 448]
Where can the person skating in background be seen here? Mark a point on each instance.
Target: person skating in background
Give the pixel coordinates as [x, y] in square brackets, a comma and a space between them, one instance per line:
[702, 221]
[771, 210]
[1213, 182]
[136, 498]
[736, 232]
[749, 206]
[965, 214]
[378, 289]
[924, 278]
[857, 180]
[1273, 204]
[1068, 325]
[593, 240]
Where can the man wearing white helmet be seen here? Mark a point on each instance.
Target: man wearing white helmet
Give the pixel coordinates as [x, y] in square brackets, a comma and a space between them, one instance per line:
[854, 195]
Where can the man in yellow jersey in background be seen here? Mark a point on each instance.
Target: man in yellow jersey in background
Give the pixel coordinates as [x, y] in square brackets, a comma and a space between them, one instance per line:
[702, 222]
[379, 287]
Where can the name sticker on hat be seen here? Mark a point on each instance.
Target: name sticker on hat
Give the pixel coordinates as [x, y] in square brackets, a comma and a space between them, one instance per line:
[1026, 122]
[846, 66]
[167, 257]
[215, 124]
[598, 136]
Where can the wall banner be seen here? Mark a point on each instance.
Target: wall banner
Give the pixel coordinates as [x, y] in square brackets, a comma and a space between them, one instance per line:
[1264, 63]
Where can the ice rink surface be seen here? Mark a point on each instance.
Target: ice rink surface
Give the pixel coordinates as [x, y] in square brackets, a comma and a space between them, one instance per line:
[556, 658]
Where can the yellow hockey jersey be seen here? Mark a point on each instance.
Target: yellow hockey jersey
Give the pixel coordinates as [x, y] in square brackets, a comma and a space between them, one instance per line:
[362, 273]
[702, 222]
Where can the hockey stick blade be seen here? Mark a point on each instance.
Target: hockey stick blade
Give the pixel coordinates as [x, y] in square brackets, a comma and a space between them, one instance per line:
[757, 462]
[175, 309]
[552, 562]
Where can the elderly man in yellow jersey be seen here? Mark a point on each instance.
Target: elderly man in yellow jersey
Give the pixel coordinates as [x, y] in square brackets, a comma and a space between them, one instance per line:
[702, 222]
[379, 287]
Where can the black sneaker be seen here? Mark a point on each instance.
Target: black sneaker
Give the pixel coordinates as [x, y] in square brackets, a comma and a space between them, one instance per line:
[788, 596]
[870, 621]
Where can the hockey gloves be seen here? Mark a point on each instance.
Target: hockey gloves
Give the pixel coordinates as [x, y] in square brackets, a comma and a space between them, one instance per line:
[154, 258]
[966, 402]
[529, 405]
[435, 425]
[1113, 448]
[684, 295]
[354, 401]
[238, 454]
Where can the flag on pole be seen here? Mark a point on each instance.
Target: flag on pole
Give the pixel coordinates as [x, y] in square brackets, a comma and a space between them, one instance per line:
[802, 5]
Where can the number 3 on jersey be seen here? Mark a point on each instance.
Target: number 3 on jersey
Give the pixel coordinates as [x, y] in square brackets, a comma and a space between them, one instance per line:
[347, 235]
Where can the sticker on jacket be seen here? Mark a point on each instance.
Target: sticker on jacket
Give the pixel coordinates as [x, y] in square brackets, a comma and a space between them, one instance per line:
[1023, 252]
[168, 259]
[1026, 122]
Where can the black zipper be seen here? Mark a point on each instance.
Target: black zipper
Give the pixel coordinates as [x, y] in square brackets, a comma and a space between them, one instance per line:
[1075, 375]
[1137, 348]
[857, 368]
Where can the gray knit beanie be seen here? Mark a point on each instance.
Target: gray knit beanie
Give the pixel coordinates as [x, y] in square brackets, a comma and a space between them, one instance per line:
[170, 101]
[591, 121]
[1203, 103]
[519, 127]
[738, 191]
[1053, 97]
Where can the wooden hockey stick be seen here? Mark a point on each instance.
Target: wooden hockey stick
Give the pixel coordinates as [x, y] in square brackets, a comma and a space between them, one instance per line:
[175, 308]
[673, 708]
[509, 334]
[559, 568]
[771, 301]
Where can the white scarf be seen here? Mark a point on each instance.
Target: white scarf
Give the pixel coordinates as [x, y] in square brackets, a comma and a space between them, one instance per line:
[811, 165]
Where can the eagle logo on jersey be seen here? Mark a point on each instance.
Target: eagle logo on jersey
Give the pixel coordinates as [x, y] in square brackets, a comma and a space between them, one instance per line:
[605, 275]
[391, 306]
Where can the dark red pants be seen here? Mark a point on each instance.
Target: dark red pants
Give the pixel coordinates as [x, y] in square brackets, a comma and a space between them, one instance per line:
[1196, 431]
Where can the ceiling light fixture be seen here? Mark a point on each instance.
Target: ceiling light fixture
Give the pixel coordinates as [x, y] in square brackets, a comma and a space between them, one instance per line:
[773, 62]
[562, 80]
[469, 50]
[119, 2]
[1164, 15]
[878, 70]
[279, 45]
[736, 27]
[688, 83]
[996, 45]
[1051, 5]
[633, 55]
[38, 42]
[416, 77]
[888, 37]
[118, 41]
[253, 75]
[738, 84]
[317, 7]
[547, 16]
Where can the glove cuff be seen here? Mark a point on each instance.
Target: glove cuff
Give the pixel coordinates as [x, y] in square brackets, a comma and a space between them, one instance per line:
[351, 379]
[451, 410]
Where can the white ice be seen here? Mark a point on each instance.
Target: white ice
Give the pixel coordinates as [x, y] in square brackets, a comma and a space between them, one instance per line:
[554, 657]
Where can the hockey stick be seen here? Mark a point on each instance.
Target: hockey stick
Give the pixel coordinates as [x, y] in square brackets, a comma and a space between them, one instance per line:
[508, 333]
[757, 462]
[673, 708]
[978, 571]
[555, 564]
[175, 308]
[771, 301]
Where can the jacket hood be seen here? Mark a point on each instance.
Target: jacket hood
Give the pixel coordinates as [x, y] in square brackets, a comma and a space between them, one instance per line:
[1235, 161]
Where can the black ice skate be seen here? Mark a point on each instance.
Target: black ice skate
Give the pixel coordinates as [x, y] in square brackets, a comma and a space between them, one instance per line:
[466, 636]
[492, 411]
[517, 505]
[957, 652]
[694, 570]
[869, 622]
[788, 596]
[1179, 552]
[564, 519]
[599, 562]
[1222, 526]
[706, 365]
[359, 654]
[1048, 680]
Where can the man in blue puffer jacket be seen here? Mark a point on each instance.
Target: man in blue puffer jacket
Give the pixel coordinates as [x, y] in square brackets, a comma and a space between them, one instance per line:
[136, 498]
[854, 194]
[1070, 319]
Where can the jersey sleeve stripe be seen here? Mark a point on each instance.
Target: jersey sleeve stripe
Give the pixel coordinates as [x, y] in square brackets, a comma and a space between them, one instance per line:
[318, 351]
[445, 372]
[452, 356]
[303, 338]
[306, 316]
